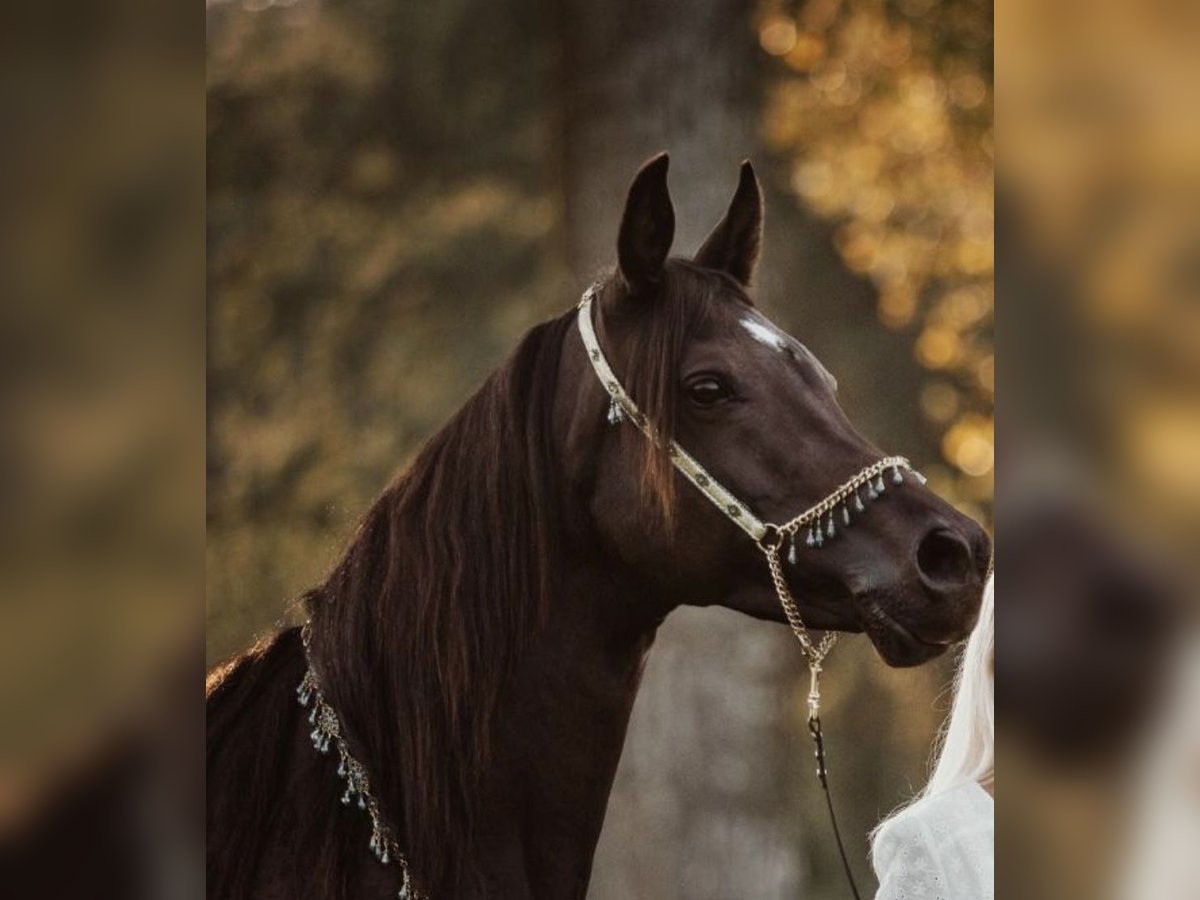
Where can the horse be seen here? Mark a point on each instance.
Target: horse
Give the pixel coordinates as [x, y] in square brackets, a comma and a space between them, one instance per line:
[482, 637]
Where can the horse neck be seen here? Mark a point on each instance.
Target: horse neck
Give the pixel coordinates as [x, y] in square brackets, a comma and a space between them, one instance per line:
[556, 721]
[561, 731]
[561, 722]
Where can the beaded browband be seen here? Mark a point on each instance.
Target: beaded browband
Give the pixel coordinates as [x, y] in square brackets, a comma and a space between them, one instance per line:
[818, 524]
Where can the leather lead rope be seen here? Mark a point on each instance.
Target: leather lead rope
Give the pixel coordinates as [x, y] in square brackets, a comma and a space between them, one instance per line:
[814, 729]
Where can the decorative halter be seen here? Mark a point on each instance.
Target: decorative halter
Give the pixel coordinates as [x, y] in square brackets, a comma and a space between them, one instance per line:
[819, 523]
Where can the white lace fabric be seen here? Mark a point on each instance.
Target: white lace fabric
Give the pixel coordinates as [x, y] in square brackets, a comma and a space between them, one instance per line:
[940, 848]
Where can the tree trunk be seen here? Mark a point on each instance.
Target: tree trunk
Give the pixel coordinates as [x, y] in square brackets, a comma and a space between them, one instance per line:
[701, 806]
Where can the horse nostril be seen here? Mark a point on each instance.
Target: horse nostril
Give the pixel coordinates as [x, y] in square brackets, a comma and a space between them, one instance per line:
[944, 559]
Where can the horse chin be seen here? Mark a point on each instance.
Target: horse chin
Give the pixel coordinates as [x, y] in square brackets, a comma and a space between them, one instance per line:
[762, 603]
[896, 644]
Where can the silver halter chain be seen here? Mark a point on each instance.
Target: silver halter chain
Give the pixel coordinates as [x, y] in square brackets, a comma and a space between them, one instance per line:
[327, 735]
[818, 524]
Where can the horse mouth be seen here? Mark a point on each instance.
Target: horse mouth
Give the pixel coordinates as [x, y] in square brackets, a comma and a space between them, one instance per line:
[894, 642]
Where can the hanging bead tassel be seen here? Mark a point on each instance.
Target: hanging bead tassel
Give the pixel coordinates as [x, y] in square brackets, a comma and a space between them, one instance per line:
[307, 685]
[858, 504]
[830, 531]
[616, 415]
[921, 478]
[871, 492]
[378, 846]
[791, 557]
[879, 485]
[327, 734]
[897, 478]
[845, 516]
[810, 540]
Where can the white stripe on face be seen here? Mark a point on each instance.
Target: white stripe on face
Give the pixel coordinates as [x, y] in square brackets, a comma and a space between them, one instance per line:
[766, 333]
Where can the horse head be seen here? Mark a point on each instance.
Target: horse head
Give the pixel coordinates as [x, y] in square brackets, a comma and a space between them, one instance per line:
[759, 412]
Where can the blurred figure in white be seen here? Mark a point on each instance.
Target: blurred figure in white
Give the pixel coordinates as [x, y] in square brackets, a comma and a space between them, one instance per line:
[1163, 863]
[942, 845]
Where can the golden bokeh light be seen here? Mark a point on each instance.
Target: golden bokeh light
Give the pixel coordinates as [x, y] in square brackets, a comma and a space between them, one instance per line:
[939, 402]
[809, 50]
[938, 348]
[778, 36]
[887, 125]
[970, 445]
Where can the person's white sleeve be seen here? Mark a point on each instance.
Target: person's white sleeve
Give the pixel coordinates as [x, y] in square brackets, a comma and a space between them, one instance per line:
[906, 861]
[940, 848]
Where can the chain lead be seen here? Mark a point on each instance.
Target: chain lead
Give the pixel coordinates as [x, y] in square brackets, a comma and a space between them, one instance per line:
[814, 652]
[814, 655]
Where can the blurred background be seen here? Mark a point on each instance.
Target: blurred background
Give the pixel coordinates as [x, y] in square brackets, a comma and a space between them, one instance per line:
[1098, 510]
[101, 448]
[396, 192]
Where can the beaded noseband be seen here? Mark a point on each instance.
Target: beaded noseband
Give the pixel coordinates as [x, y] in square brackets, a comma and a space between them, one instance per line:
[818, 524]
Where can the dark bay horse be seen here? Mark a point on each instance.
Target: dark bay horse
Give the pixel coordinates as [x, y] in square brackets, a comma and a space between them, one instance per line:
[483, 636]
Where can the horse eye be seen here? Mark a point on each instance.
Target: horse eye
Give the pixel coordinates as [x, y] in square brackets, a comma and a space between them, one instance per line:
[707, 390]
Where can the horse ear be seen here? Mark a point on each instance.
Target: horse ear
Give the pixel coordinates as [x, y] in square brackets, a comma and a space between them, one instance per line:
[733, 245]
[647, 227]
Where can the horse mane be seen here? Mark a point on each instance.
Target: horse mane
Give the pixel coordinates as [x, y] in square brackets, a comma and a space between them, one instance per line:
[420, 624]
